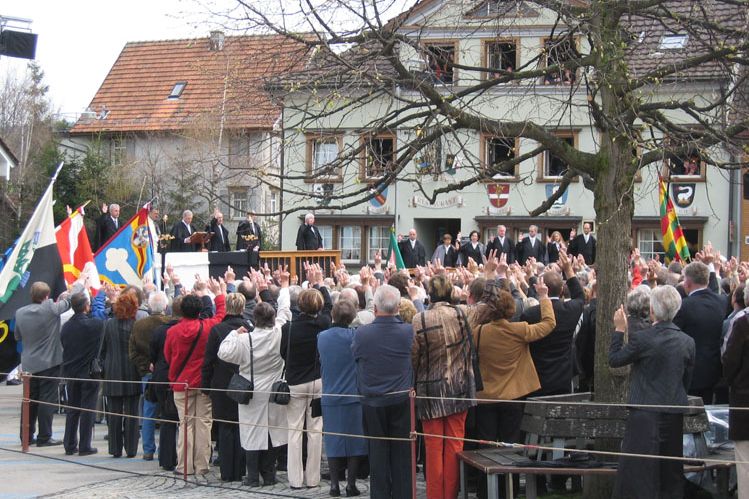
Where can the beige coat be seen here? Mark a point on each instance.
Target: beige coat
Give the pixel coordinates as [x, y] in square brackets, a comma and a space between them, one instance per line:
[507, 368]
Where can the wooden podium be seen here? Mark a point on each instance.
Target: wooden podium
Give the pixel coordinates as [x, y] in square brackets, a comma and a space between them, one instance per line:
[201, 238]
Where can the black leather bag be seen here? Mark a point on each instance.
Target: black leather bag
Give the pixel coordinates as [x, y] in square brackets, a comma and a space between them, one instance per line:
[95, 368]
[316, 407]
[241, 388]
[280, 393]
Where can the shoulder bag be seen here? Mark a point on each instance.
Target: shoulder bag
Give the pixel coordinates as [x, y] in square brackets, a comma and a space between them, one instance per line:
[280, 393]
[95, 368]
[241, 388]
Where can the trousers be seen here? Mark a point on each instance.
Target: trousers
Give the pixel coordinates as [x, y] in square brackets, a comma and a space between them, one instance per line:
[43, 390]
[167, 431]
[148, 426]
[195, 425]
[81, 395]
[123, 430]
[443, 469]
[654, 433]
[499, 421]
[231, 452]
[389, 460]
[297, 412]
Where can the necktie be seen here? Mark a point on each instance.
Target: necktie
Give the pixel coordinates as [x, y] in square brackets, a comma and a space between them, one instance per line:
[252, 228]
[221, 233]
[116, 223]
[189, 232]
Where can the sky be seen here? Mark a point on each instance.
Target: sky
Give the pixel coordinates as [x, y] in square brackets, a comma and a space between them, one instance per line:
[79, 40]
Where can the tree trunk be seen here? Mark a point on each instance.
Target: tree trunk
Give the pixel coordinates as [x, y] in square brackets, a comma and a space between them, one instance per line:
[614, 205]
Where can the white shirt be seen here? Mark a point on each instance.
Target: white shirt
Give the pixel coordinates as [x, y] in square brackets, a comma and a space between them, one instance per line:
[413, 243]
[188, 227]
[586, 237]
[116, 223]
[533, 241]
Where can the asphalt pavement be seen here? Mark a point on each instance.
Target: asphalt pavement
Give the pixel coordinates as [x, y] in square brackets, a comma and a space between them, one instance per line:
[48, 472]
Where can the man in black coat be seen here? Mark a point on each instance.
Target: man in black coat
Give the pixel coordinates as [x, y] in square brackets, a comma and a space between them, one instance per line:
[220, 239]
[181, 231]
[308, 237]
[662, 359]
[250, 238]
[531, 246]
[552, 354]
[107, 224]
[584, 244]
[80, 338]
[503, 244]
[701, 317]
[412, 251]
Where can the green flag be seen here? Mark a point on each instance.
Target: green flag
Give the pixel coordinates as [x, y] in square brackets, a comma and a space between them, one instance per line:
[394, 252]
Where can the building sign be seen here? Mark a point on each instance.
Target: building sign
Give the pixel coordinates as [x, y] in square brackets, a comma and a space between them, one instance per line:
[683, 194]
[449, 202]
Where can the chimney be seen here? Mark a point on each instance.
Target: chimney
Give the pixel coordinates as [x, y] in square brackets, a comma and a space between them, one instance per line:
[216, 41]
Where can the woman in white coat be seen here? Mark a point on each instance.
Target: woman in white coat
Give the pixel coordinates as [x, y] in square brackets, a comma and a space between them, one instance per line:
[261, 423]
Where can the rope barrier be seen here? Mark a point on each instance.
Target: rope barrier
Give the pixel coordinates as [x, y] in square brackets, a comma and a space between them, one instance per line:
[624, 405]
[412, 436]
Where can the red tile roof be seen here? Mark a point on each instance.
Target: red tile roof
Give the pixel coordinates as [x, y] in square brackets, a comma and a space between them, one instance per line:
[135, 92]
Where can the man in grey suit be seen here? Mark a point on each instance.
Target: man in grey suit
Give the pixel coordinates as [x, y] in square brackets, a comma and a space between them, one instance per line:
[662, 358]
[38, 327]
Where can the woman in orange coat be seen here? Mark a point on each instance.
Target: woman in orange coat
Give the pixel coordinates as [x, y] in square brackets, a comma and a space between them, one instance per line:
[505, 362]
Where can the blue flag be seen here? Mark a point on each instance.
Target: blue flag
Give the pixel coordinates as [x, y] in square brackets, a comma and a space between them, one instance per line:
[128, 256]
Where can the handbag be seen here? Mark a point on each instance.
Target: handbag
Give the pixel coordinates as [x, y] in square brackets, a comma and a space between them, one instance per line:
[95, 368]
[281, 394]
[316, 407]
[240, 388]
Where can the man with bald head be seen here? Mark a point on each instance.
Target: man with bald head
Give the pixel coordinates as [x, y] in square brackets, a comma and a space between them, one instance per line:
[412, 251]
[308, 237]
[181, 231]
[107, 225]
[220, 239]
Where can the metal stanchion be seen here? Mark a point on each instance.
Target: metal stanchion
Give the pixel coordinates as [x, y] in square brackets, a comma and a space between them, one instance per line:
[412, 403]
[184, 427]
[25, 412]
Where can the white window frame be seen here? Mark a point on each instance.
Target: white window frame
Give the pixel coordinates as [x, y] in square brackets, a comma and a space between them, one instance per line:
[354, 238]
[647, 239]
[326, 232]
[117, 151]
[379, 233]
[239, 202]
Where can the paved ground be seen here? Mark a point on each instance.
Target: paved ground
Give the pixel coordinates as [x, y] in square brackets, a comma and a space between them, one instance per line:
[48, 472]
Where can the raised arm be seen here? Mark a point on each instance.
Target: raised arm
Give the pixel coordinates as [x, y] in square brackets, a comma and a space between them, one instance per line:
[235, 348]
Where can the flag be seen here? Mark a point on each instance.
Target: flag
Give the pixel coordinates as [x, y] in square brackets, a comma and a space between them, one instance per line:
[34, 258]
[674, 243]
[394, 252]
[128, 256]
[75, 250]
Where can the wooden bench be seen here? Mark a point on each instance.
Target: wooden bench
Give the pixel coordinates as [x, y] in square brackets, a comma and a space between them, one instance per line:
[496, 462]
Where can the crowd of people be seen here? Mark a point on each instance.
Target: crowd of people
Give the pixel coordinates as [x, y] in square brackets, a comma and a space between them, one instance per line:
[507, 322]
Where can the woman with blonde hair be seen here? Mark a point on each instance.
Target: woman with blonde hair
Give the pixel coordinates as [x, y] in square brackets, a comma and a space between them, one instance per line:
[555, 244]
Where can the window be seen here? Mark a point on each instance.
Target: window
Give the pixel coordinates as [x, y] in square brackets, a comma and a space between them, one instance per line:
[687, 165]
[440, 60]
[673, 42]
[349, 242]
[273, 201]
[322, 156]
[379, 154]
[379, 239]
[239, 151]
[650, 243]
[177, 90]
[501, 55]
[554, 166]
[326, 232]
[558, 52]
[117, 151]
[238, 202]
[497, 151]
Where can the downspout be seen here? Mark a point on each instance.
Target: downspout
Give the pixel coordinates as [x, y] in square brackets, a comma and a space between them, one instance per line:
[282, 158]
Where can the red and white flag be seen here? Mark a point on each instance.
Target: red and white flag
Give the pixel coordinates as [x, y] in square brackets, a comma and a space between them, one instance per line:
[75, 250]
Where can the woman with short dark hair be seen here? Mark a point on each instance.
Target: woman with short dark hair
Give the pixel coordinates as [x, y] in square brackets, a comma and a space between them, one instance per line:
[299, 349]
[341, 413]
[122, 398]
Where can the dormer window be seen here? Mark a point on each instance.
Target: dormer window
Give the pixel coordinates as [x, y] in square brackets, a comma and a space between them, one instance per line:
[179, 87]
[673, 42]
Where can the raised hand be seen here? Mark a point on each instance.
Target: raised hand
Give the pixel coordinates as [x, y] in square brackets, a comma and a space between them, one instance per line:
[620, 319]
[284, 276]
[229, 275]
[541, 290]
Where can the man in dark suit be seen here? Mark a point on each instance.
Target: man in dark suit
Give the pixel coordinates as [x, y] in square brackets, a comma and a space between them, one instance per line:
[308, 236]
[80, 338]
[250, 238]
[382, 354]
[701, 317]
[531, 246]
[552, 354]
[220, 239]
[107, 225]
[584, 244]
[662, 359]
[503, 244]
[412, 251]
[181, 231]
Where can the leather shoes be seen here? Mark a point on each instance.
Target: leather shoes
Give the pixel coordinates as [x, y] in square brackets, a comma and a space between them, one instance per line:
[335, 491]
[88, 452]
[352, 491]
[70, 452]
[49, 443]
[148, 457]
[250, 483]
